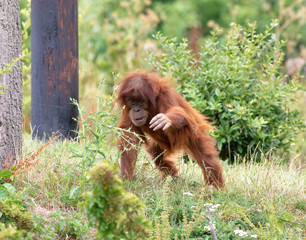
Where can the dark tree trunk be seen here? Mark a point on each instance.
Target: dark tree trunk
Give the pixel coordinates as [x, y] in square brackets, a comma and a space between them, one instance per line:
[11, 96]
[54, 41]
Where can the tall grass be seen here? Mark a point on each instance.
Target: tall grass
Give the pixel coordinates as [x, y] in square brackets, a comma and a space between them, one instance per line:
[265, 199]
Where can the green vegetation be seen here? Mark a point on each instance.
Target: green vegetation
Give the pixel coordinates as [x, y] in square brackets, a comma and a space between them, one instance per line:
[116, 213]
[114, 35]
[264, 199]
[238, 84]
[6, 68]
[261, 199]
[70, 190]
[15, 219]
[121, 32]
[25, 14]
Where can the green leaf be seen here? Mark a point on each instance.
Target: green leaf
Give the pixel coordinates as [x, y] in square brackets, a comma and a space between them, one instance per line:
[217, 92]
[234, 127]
[73, 191]
[61, 224]
[4, 193]
[29, 200]
[10, 188]
[5, 173]
[240, 149]
[280, 227]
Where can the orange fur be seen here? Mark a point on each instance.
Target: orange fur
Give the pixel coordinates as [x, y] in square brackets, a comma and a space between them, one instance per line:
[188, 131]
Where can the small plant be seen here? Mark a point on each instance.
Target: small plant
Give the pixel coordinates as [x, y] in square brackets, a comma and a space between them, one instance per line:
[6, 68]
[15, 212]
[115, 212]
[96, 138]
[5, 175]
[238, 84]
[196, 223]
[271, 226]
[66, 225]
[10, 233]
[28, 163]
[96, 132]
[18, 222]
[162, 227]
[15, 219]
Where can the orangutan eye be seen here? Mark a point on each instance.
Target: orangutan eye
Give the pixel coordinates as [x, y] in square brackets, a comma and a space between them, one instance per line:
[141, 101]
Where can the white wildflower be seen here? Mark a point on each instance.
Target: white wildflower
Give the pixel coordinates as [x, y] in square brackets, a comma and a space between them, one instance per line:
[254, 236]
[188, 194]
[241, 233]
[206, 228]
[211, 206]
[207, 204]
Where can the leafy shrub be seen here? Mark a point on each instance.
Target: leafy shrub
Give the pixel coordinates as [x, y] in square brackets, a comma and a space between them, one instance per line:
[116, 213]
[14, 212]
[238, 84]
[69, 225]
[10, 233]
[15, 219]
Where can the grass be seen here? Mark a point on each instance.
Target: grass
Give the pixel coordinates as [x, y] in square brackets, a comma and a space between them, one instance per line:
[264, 199]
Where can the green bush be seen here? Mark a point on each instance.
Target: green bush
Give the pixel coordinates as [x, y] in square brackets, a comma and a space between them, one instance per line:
[239, 85]
[15, 218]
[10, 233]
[116, 213]
[13, 212]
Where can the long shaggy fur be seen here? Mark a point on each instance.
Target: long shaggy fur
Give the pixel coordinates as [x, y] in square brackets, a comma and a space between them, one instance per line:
[188, 131]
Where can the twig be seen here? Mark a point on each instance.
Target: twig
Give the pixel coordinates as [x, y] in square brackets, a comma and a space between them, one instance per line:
[211, 225]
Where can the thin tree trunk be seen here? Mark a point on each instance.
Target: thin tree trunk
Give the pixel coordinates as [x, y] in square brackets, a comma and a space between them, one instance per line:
[54, 56]
[11, 98]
